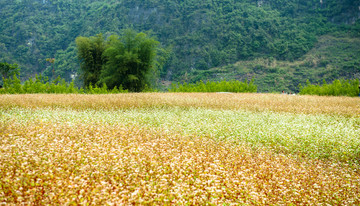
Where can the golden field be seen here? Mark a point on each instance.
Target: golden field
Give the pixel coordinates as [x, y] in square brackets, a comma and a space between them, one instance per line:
[346, 106]
[179, 149]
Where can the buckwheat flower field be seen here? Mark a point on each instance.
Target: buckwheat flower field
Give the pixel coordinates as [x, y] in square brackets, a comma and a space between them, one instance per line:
[179, 149]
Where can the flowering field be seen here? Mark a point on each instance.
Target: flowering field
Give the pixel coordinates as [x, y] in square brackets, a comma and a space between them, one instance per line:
[196, 149]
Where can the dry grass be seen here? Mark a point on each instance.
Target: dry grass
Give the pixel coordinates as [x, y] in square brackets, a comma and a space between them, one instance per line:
[344, 106]
[97, 164]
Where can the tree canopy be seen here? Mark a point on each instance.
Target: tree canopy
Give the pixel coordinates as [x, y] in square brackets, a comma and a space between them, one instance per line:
[7, 70]
[124, 61]
[90, 54]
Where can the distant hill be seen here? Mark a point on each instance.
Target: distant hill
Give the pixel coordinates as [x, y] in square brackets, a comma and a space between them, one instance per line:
[203, 35]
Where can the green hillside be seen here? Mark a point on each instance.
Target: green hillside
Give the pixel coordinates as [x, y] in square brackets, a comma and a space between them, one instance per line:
[270, 38]
[332, 57]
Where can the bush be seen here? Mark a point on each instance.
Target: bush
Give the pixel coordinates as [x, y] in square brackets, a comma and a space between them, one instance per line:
[223, 86]
[58, 86]
[337, 88]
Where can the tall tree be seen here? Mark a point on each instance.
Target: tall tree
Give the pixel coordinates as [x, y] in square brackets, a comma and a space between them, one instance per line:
[90, 54]
[129, 60]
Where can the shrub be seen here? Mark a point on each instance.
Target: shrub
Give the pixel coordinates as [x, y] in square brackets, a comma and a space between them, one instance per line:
[222, 86]
[336, 88]
[58, 86]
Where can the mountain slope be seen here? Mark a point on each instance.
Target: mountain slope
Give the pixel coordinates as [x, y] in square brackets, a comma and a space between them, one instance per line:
[331, 58]
[202, 34]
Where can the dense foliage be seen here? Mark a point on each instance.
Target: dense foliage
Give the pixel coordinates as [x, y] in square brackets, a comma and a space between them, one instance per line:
[223, 86]
[130, 59]
[127, 61]
[336, 88]
[202, 34]
[8, 70]
[42, 85]
[333, 57]
[90, 53]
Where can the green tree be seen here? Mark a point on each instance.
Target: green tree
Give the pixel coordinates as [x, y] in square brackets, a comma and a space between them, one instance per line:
[90, 54]
[130, 60]
[8, 70]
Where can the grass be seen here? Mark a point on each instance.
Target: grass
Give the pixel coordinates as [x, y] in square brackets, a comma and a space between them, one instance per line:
[179, 149]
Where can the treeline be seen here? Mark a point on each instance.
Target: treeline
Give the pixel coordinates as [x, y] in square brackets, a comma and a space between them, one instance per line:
[42, 85]
[222, 86]
[336, 88]
[59, 86]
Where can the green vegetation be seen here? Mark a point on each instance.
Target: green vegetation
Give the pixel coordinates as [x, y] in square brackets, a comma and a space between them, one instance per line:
[40, 85]
[223, 86]
[333, 57]
[337, 88]
[58, 86]
[128, 61]
[204, 36]
[90, 53]
[8, 70]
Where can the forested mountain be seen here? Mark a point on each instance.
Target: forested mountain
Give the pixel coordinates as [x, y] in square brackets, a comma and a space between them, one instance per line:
[202, 35]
